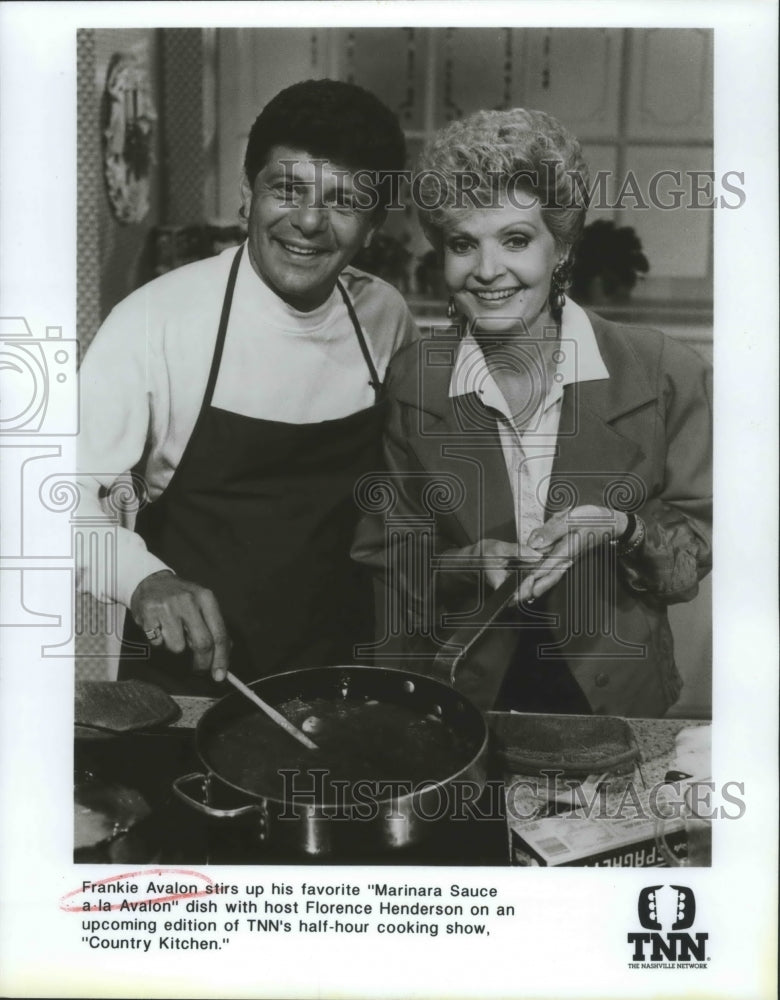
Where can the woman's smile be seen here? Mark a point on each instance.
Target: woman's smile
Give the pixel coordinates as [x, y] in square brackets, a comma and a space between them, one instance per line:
[494, 294]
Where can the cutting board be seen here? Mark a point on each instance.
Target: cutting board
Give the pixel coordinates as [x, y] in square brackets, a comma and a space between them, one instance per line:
[121, 706]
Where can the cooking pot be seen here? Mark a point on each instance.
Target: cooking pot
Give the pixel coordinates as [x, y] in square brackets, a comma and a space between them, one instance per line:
[112, 823]
[425, 755]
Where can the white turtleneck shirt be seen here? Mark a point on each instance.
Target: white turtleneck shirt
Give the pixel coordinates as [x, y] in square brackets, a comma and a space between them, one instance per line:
[144, 377]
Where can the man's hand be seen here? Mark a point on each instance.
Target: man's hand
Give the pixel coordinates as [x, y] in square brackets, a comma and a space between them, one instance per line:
[188, 616]
[563, 539]
[496, 558]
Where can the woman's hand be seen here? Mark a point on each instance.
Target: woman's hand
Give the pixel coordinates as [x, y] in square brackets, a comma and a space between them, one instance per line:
[563, 539]
[184, 615]
[496, 558]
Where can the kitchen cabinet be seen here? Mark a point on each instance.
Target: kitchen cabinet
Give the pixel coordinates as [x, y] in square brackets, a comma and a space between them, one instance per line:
[574, 74]
[670, 85]
[473, 69]
[390, 62]
[434, 75]
[676, 241]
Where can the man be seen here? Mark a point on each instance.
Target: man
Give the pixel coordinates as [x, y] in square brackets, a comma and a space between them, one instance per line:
[243, 389]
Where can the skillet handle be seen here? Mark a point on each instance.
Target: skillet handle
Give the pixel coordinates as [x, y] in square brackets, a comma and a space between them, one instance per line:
[201, 781]
[475, 659]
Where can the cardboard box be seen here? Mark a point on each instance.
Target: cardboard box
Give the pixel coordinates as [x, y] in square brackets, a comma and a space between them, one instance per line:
[572, 840]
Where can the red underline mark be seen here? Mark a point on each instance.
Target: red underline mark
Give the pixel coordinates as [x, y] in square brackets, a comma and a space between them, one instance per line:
[147, 874]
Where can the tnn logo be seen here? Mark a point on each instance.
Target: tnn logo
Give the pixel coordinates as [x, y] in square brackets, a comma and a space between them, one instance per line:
[673, 906]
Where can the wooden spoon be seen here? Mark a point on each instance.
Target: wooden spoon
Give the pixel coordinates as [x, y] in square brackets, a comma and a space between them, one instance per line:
[277, 717]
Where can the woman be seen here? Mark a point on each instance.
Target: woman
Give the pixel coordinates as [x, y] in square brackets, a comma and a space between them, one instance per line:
[540, 443]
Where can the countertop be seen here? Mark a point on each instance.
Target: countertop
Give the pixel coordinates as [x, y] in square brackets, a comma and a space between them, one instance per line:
[151, 762]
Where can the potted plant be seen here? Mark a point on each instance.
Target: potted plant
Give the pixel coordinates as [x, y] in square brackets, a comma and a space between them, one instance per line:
[607, 264]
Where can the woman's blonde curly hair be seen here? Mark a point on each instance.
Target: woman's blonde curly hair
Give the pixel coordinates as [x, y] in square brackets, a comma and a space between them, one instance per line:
[493, 152]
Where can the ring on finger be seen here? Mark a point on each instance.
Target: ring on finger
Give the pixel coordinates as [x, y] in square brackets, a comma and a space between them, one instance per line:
[153, 634]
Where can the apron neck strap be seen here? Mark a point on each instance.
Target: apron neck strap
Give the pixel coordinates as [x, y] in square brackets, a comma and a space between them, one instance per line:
[374, 382]
[227, 302]
[222, 329]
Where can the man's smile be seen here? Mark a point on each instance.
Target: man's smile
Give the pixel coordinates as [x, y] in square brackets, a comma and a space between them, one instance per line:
[300, 249]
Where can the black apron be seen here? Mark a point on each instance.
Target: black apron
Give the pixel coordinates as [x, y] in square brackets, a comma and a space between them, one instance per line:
[262, 513]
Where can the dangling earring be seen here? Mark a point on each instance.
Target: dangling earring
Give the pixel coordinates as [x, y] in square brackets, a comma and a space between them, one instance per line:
[559, 282]
[452, 312]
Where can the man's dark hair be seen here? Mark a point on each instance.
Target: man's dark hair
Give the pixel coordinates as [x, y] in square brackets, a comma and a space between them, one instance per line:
[337, 121]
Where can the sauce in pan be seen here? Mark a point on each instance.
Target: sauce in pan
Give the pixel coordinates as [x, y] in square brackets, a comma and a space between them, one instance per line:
[357, 741]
